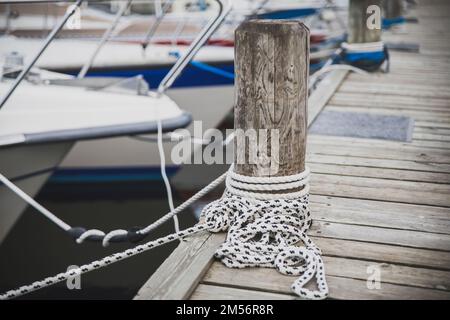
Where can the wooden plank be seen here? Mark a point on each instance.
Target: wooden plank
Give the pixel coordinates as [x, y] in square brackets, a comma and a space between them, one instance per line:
[433, 130]
[270, 280]
[370, 161]
[185, 266]
[398, 89]
[345, 288]
[430, 136]
[320, 97]
[437, 145]
[415, 257]
[375, 149]
[390, 101]
[211, 292]
[407, 238]
[390, 273]
[441, 116]
[339, 267]
[388, 169]
[423, 134]
[433, 194]
[381, 214]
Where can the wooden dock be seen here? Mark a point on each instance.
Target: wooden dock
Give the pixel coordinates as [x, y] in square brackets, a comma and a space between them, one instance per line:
[374, 203]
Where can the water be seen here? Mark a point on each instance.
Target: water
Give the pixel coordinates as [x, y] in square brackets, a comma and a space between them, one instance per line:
[36, 248]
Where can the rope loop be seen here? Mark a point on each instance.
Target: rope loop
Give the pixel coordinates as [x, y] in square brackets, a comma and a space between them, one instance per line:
[264, 228]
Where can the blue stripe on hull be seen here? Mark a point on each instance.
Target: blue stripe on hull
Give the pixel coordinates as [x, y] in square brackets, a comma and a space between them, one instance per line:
[191, 77]
[195, 75]
[288, 14]
[115, 174]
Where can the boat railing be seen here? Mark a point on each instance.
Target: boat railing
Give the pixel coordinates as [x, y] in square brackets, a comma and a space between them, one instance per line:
[159, 17]
[69, 13]
[171, 76]
[183, 61]
[199, 41]
[106, 35]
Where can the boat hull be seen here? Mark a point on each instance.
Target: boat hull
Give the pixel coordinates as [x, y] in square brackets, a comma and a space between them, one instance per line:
[210, 105]
[29, 167]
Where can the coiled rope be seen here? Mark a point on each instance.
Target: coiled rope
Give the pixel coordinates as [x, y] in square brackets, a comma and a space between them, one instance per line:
[263, 229]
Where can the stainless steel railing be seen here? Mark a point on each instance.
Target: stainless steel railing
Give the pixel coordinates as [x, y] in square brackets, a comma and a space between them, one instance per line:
[171, 76]
[205, 34]
[48, 40]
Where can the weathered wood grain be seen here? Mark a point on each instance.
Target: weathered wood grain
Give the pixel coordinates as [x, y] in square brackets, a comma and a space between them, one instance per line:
[433, 194]
[415, 257]
[376, 202]
[211, 292]
[185, 266]
[272, 68]
[358, 32]
[407, 238]
[381, 214]
[392, 8]
[271, 281]
[325, 90]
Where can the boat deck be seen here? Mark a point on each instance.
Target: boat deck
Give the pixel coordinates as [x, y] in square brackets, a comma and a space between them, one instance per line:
[374, 202]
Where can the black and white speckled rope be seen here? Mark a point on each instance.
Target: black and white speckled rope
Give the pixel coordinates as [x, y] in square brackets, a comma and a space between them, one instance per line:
[264, 228]
[102, 262]
[261, 233]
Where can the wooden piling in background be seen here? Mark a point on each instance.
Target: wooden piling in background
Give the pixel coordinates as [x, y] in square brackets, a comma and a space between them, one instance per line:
[271, 91]
[358, 32]
[392, 9]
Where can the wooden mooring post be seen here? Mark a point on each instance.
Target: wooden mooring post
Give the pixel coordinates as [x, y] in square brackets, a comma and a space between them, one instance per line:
[392, 9]
[358, 15]
[271, 93]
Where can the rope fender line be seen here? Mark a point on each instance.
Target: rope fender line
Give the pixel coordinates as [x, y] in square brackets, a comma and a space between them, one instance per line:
[262, 232]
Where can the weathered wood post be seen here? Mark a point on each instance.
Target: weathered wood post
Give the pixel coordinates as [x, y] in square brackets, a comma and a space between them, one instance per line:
[271, 92]
[358, 30]
[392, 9]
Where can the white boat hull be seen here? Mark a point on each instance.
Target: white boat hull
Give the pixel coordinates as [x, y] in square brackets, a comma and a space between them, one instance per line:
[209, 104]
[29, 166]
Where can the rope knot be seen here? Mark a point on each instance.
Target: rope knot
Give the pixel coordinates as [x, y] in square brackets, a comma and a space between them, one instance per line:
[264, 229]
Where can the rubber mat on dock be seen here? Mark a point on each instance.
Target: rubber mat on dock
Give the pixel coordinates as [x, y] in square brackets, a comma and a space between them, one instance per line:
[363, 125]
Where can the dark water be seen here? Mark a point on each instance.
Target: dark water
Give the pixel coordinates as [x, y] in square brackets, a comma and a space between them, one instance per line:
[36, 248]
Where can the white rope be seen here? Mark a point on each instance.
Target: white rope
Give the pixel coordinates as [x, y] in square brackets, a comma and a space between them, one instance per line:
[363, 47]
[120, 232]
[263, 228]
[110, 235]
[262, 232]
[34, 203]
[164, 176]
[90, 233]
[325, 69]
[95, 232]
[97, 264]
